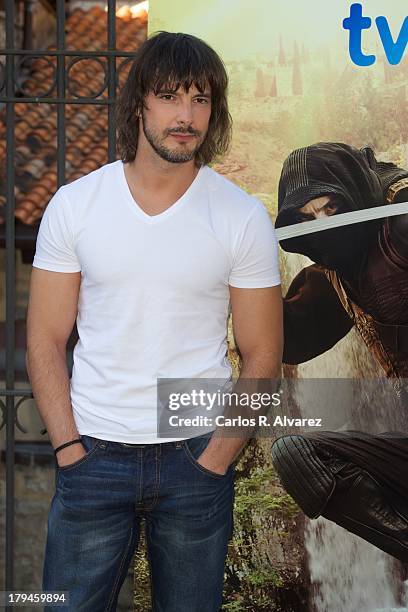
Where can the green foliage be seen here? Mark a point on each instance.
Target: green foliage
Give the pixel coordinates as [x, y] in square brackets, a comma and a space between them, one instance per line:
[260, 503]
[239, 605]
[263, 578]
[250, 494]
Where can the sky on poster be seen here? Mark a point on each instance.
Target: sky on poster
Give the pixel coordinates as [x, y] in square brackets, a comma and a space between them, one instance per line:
[237, 28]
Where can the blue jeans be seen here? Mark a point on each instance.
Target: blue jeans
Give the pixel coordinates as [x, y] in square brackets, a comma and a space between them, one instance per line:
[94, 525]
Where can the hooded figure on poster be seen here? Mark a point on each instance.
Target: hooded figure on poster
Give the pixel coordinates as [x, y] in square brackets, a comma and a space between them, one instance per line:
[359, 278]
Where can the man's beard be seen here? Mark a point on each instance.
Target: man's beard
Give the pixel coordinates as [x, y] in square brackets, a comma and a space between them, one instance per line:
[177, 156]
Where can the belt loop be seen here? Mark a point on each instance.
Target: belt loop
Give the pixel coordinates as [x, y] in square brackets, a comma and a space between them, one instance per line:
[179, 443]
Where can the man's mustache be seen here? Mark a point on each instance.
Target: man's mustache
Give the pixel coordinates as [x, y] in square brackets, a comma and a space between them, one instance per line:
[189, 131]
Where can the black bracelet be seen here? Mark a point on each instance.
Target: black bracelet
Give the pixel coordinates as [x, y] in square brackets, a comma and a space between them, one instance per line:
[66, 444]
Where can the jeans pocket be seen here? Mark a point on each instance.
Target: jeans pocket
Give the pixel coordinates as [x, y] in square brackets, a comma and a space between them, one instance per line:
[91, 445]
[193, 447]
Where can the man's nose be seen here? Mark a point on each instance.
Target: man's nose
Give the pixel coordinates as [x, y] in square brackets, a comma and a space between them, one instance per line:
[185, 112]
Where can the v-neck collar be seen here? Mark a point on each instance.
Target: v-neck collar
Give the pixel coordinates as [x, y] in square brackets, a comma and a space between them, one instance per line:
[139, 212]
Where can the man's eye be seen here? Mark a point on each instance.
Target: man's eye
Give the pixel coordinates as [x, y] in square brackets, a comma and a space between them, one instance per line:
[202, 100]
[166, 97]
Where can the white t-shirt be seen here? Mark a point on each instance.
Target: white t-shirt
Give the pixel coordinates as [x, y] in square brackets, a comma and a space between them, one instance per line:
[154, 296]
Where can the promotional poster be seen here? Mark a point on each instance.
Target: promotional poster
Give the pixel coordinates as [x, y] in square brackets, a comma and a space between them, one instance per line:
[112, 217]
[318, 97]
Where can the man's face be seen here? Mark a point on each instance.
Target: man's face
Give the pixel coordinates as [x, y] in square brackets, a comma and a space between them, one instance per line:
[317, 208]
[176, 124]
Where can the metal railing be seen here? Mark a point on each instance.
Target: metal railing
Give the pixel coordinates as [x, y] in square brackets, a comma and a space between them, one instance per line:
[11, 94]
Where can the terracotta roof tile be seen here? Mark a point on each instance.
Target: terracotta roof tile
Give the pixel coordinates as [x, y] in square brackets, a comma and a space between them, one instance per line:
[86, 124]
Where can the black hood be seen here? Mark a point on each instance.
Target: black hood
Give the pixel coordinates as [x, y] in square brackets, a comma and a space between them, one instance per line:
[354, 178]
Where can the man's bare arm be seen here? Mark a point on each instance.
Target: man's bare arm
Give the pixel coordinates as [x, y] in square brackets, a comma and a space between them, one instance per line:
[258, 330]
[52, 311]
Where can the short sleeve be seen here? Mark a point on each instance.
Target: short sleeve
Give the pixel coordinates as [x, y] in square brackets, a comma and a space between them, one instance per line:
[256, 260]
[55, 239]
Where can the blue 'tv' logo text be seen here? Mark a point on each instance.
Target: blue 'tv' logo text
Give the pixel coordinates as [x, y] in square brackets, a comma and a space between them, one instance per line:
[356, 23]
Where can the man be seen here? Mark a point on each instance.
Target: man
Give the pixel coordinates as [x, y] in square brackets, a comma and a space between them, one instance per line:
[360, 277]
[147, 253]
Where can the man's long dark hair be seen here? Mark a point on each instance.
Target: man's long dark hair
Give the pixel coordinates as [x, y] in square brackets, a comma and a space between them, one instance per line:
[170, 61]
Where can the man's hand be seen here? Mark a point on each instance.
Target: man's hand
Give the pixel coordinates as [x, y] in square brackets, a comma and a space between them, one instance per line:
[210, 461]
[70, 454]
